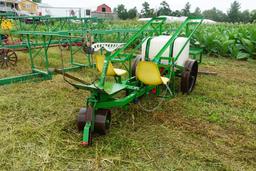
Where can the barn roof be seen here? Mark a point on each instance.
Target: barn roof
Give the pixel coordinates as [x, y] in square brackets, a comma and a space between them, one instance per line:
[104, 5]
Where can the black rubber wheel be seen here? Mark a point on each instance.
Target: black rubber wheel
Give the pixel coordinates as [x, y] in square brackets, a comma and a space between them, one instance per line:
[8, 57]
[102, 121]
[189, 76]
[135, 63]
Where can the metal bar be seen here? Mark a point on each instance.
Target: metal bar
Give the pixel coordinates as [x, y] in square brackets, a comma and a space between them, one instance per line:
[30, 52]
[61, 72]
[21, 78]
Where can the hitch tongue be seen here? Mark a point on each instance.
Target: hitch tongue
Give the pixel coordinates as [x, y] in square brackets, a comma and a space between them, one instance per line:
[60, 71]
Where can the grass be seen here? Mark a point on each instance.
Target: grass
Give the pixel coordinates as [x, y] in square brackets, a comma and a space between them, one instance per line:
[214, 128]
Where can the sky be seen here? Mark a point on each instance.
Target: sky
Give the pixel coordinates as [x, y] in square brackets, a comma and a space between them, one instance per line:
[223, 5]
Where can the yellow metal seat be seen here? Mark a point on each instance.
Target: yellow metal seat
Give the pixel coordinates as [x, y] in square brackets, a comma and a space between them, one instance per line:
[149, 74]
[111, 70]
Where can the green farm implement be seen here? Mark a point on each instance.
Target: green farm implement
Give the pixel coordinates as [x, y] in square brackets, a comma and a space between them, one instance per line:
[38, 50]
[150, 63]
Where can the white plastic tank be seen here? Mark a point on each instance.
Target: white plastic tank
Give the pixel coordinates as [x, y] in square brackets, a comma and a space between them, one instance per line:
[158, 42]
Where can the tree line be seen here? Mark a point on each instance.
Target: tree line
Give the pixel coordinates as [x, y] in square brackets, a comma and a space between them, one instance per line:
[234, 14]
[37, 1]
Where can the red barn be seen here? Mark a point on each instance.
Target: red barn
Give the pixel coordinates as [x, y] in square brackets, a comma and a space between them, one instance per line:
[103, 9]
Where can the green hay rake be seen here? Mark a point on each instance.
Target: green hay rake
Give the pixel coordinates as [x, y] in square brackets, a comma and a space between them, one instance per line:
[39, 50]
[162, 59]
[13, 40]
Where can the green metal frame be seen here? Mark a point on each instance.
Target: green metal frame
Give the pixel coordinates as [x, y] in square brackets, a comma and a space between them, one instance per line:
[34, 52]
[44, 40]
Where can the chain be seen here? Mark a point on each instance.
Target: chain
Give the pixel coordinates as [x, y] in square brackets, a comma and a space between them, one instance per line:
[157, 106]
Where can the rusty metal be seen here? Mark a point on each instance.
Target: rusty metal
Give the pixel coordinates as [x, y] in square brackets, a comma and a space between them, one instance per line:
[8, 58]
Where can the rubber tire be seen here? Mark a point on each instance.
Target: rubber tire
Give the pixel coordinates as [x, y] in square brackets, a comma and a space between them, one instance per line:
[187, 80]
[135, 63]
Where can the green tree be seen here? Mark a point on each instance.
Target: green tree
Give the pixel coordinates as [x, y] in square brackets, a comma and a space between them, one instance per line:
[132, 13]
[177, 13]
[197, 12]
[245, 16]
[215, 15]
[234, 13]
[164, 9]
[121, 12]
[186, 10]
[147, 11]
[253, 16]
[37, 1]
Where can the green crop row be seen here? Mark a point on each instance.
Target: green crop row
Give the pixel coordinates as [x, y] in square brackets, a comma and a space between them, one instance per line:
[228, 40]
